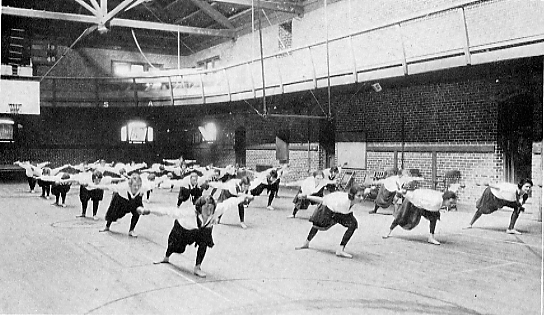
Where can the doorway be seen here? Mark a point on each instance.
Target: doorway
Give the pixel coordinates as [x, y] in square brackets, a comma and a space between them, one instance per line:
[240, 146]
[515, 135]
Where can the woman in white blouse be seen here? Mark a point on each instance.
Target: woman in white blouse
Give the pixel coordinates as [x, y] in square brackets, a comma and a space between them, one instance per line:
[335, 208]
[501, 195]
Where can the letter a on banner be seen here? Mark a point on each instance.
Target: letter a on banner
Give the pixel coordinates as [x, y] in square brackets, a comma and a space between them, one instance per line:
[150, 103]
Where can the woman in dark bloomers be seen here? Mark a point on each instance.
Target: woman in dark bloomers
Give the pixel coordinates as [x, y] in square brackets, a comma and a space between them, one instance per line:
[127, 198]
[193, 224]
[501, 195]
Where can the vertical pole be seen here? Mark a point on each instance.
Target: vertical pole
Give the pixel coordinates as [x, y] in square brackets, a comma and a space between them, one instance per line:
[402, 139]
[467, 42]
[404, 62]
[434, 169]
[228, 83]
[171, 89]
[134, 87]
[265, 110]
[179, 51]
[202, 88]
[328, 61]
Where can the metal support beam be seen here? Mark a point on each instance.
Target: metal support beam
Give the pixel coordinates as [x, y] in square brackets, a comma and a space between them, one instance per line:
[467, 42]
[117, 9]
[117, 22]
[228, 83]
[269, 5]
[213, 13]
[172, 28]
[88, 7]
[403, 61]
[313, 67]
[95, 5]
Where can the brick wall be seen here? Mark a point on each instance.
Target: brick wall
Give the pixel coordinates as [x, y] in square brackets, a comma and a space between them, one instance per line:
[454, 108]
[301, 162]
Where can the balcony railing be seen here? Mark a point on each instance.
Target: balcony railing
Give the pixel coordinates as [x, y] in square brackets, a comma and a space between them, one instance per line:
[469, 32]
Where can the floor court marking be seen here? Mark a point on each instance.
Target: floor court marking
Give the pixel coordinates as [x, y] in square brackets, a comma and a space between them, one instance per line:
[494, 240]
[387, 288]
[178, 273]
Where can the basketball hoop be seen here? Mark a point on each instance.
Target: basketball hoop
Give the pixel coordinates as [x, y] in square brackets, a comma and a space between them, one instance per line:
[14, 108]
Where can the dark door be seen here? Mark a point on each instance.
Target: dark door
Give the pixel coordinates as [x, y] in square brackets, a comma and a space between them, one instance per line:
[515, 137]
[240, 146]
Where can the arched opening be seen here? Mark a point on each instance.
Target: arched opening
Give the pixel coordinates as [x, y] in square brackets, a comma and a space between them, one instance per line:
[515, 136]
[240, 146]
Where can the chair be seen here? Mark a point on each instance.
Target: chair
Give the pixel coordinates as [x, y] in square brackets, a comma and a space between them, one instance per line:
[346, 180]
[452, 177]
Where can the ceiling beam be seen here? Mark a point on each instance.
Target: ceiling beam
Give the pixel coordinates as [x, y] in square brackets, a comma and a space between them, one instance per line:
[136, 3]
[188, 16]
[172, 28]
[116, 22]
[269, 5]
[87, 6]
[239, 14]
[213, 13]
[40, 14]
[95, 5]
[116, 10]
[172, 5]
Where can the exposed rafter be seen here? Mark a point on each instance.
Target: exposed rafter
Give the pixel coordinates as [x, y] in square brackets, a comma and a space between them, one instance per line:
[116, 10]
[95, 4]
[88, 7]
[269, 5]
[90, 19]
[213, 13]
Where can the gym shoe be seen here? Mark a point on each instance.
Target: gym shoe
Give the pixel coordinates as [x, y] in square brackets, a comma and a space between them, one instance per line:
[372, 212]
[243, 225]
[306, 245]
[199, 272]
[432, 240]
[341, 253]
[513, 231]
[291, 216]
[270, 208]
[132, 234]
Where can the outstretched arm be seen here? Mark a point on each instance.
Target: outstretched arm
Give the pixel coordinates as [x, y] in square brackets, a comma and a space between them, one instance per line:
[311, 198]
[42, 165]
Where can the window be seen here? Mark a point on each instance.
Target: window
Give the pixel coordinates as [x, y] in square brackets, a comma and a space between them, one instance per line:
[124, 69]
[6, 130]
[209, 132]
[136, 132]
[209, 63]
[285, 36]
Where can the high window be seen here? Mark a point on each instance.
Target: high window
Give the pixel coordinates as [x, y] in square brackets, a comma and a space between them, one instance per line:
[136, 132]
[285, 35]
[125, 69]
[208, 63]
[6, 130]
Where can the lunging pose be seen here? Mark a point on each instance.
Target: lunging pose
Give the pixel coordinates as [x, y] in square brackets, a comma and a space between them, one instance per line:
[421, 203]
[504, 195]
[193, 224]
[335, 208]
